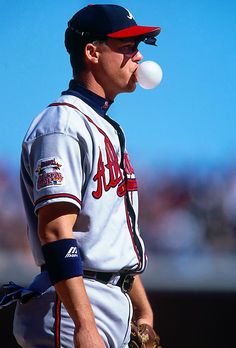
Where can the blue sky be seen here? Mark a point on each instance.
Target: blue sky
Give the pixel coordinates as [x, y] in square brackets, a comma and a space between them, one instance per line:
[188, 119]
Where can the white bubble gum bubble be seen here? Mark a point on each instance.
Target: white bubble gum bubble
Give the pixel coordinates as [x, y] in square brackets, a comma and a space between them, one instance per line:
[149, 74]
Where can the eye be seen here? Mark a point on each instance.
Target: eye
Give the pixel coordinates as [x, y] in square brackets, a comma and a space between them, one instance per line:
[129, 49]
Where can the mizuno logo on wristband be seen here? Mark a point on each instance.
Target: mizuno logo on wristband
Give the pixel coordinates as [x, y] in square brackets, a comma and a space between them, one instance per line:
[72, 252]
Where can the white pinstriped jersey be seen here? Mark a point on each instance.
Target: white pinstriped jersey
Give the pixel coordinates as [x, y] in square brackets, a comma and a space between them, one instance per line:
[72, 154]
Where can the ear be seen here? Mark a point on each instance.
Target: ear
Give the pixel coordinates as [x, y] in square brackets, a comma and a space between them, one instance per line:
[91, 53]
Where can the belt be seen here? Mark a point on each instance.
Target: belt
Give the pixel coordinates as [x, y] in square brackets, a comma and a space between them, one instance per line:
[123, 280]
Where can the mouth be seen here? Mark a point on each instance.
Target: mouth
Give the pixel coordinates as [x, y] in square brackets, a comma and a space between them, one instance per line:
[135, 78]
[134, 74]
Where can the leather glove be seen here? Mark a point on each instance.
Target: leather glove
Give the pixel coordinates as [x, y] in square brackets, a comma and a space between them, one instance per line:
[143, 336]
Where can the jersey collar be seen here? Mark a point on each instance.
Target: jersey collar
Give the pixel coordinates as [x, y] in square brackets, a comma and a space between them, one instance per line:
[99, 104]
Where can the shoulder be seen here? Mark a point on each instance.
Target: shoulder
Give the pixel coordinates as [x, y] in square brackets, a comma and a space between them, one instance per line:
[64, 116]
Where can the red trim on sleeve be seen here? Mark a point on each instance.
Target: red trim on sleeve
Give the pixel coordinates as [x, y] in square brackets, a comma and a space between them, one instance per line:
[130, 185]
[57, 195]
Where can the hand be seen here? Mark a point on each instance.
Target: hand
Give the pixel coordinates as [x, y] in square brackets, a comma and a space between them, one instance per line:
[85, 337]
[139, 320]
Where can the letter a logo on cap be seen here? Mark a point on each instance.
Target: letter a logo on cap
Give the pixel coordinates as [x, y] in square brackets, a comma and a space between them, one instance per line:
[130, 16]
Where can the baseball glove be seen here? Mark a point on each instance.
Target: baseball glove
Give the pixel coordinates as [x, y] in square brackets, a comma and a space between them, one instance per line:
[143, 336]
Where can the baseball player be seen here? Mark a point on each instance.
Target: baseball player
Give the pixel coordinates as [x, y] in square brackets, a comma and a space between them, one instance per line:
[80, 196]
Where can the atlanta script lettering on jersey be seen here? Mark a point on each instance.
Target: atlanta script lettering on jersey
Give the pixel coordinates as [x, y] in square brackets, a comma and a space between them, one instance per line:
[112, 167]
[114, 172]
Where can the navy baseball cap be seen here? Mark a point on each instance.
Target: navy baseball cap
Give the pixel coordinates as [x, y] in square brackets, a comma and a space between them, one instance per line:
[110, 21]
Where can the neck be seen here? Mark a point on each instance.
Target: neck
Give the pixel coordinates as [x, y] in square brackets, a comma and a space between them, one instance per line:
[87, 80]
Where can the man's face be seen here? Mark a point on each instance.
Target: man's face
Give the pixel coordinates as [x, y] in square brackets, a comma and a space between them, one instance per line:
[118, 61]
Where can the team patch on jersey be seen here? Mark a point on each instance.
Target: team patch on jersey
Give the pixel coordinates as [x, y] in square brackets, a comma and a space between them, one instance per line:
[49, 172]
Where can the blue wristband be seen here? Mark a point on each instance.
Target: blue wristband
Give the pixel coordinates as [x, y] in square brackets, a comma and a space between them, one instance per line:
[62, 259]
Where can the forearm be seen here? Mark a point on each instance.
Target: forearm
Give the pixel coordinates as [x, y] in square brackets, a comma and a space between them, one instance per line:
[73, 294]
[142, 309]
[53, 227]
[74, 297]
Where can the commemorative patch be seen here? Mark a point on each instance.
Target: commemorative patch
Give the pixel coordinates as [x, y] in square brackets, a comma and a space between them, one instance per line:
[49, 172]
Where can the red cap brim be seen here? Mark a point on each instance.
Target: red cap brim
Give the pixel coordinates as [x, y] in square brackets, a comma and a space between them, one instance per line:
[136, 30]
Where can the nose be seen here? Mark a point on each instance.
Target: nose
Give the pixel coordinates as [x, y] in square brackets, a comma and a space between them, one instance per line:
[137, 57]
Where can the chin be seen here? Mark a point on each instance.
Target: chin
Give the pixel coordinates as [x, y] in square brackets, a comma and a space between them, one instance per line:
[131, 86]
[128, 88]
